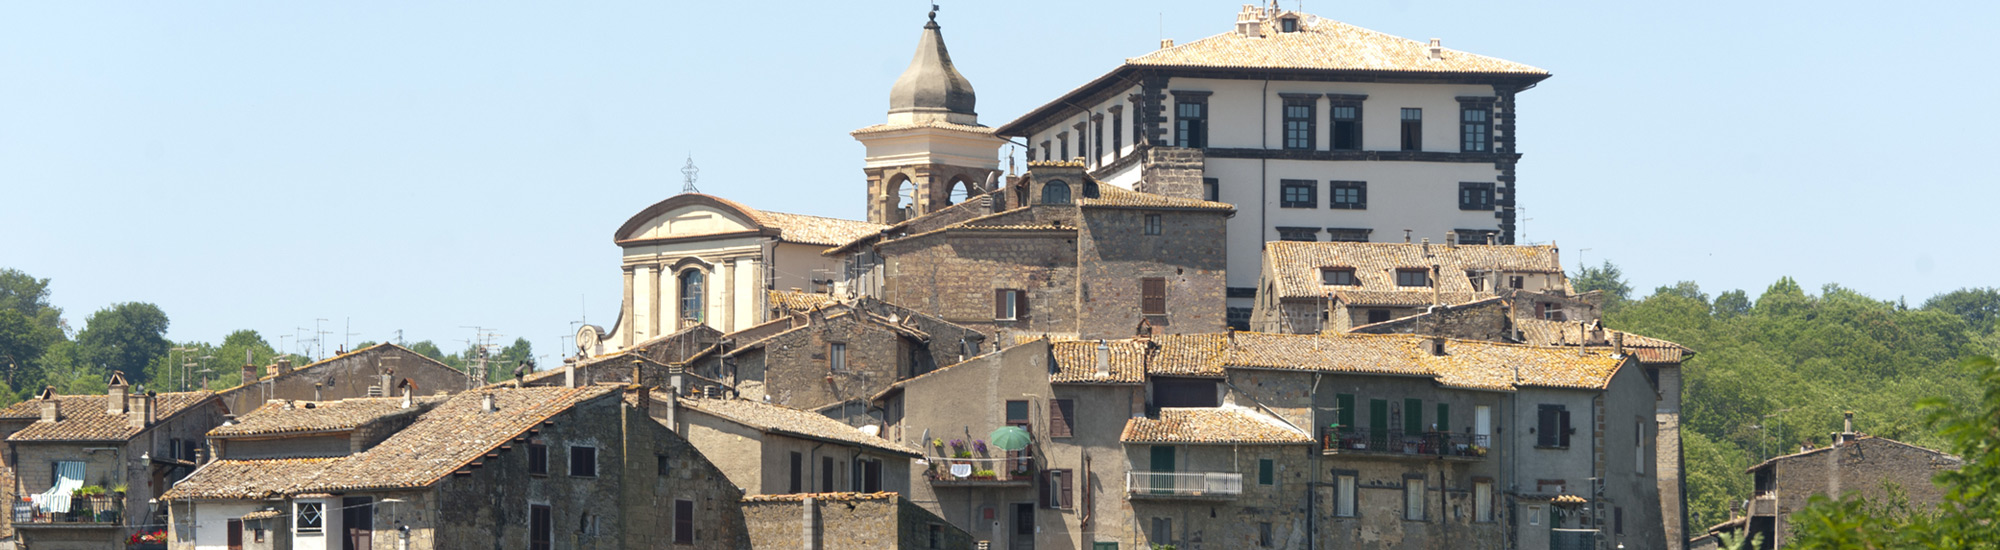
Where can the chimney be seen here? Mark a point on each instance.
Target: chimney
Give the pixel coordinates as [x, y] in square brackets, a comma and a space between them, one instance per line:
[1166, 43]
[569, 375]
[1406, 236]
[51, 407]
[140, 413]
[1437, 346]
[1427, 247]
[1451, 239]
[284, 365]
[114, 402]
[674, 380]
[316, 391]
[486, 403]
[1618, 342]
[1847, 427]
[407, 400]
[1437, 49]
[1103, 359]
[636, 379]
[249, 373]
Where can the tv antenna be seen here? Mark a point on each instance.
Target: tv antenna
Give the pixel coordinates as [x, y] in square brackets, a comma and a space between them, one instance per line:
[689, 173]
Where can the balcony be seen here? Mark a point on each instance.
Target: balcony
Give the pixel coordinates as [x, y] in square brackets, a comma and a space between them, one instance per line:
[1364, 443]
[1766, 504]
[981, 472]
[96, 511]
[1183, 485]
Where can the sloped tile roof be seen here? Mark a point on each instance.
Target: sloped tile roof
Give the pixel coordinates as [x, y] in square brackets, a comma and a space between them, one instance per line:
[1296, 267]
[1223, 425]
[279, 417]
[83, 417]
[803, 229]
[1076, 362]
[826, 497]
[1324, 44]
[1466, 364]
[1560, 333]
[448, 437]
[798, 301]
[792, 422]
[1110, 196]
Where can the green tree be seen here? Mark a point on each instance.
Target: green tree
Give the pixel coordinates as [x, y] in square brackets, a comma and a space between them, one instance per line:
[1606, 278]
[1979, 306]
[1732, 303]
[29, 325]
[503, 364]
[125, 337]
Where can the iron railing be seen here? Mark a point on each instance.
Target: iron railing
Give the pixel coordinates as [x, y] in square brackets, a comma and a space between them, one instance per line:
[1361, 440]
[96, 509]
[1184, 484]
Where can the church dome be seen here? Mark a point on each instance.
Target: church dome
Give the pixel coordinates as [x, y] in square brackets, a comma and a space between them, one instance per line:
[931, 88]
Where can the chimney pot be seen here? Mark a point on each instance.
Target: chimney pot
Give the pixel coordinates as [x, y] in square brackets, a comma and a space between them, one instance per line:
[486, 403]
[51, 407]
[1166, 43]
[1103, 359]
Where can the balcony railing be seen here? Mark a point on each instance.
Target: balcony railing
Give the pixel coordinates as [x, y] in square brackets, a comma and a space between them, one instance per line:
[1765, 504]
[98, 510]
[1183, 484]
[981, 471]
[1363, 441]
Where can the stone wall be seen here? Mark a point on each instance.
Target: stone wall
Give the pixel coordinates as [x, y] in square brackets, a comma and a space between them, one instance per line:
[1484, 320]
[1866, 466]
[954, 276]
[1172, 171]
[1116, 253]
[351, 375]
[848, 521]
[796, 371]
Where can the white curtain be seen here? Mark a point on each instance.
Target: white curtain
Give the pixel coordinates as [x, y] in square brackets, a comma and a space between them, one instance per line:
[69, 477]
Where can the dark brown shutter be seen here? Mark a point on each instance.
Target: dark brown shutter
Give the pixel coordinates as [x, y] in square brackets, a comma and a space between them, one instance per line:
[1042, 487]
[1563, 431]
[999, 303]
[1021, 305]
[1154, 292]
[1068, 490]
[1060, 417]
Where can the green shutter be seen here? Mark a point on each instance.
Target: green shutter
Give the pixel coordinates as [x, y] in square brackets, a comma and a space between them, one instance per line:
[1378, 417]
[1413, 416]
[1444, 417]
[1264, 473]
[1345, 402]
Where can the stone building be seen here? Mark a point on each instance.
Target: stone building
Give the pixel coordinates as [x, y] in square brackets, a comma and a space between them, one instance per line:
[378, 371]
[848, 521]
[835, 354]
[496, 467]
[1877, 468]
[1073, 258]
[1315, 129]
[771, 449]
[1331, 287]
[129, 445]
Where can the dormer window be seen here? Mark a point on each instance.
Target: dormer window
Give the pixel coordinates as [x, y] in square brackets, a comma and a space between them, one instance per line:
[1413, 277]
[1055, 192]
[1342, 276]
[1288, 24]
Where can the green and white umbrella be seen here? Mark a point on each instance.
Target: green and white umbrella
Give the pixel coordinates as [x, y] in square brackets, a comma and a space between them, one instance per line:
[1009, 438]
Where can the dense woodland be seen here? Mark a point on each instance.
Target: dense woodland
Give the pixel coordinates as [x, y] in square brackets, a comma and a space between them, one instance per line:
[40, 347]
[1769, 374]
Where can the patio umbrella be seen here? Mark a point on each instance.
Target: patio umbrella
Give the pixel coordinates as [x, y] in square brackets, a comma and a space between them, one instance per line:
[1009, 438]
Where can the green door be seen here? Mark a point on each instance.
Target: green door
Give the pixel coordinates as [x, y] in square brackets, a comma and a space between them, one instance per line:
[1378, 424]
[1163, 463]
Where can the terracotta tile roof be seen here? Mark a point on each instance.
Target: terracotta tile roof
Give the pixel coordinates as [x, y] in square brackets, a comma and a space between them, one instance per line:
[1109, 196]
[1324, 44]
[797, 301]
[278, 417]
[967, 128]
[792, 422]
[1939, 457]
[1076, 362]
[262, 514]
[1466, 364]
[803, 229]
[829, 497]
[1559, 333]
[84, 418]
[1296, 266]
[450, 436]
[1222, 425]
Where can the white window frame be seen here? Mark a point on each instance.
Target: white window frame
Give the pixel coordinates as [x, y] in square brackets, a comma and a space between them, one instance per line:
[298, 515]
[1011, 303]
[1482, 501]
[1413, 499]
[1343, 498]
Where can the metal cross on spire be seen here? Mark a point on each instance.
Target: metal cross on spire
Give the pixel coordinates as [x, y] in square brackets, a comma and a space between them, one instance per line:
[690, 174]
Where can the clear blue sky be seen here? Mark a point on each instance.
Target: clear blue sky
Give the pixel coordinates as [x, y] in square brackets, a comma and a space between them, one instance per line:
[426, 166]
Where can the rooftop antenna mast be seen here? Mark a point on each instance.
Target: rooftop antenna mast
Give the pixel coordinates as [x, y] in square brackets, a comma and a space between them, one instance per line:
[689, 174]
[319, 337]
[346, 340]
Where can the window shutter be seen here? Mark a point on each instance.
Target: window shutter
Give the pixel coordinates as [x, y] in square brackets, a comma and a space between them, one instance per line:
[1563, 431]
[1413, 416]
[1042, 488]
[1545, 422]
[1021, 305]
[999, 303]
[1346, 403]
[1060, 420]
[1154, 291]
[1068, 491]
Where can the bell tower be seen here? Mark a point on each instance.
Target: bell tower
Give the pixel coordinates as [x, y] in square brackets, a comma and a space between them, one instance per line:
[931, 152]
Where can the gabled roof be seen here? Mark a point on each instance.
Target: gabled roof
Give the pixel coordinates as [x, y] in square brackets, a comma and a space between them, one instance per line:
[85, 417]
[1324, 44]
[271, 372]
[1296, 267]
[288, 417]
[1470, 364]
[1862, 438]
[448, 437]
[1647, 349]
[792, 422]
[1222, 425]
[794, 228]
[1110, 196]
[797, 301]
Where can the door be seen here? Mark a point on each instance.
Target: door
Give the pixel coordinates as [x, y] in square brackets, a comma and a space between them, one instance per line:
[235, 536]
[541, 528]
[357, 518]
[1163, 464]
[1024, 527]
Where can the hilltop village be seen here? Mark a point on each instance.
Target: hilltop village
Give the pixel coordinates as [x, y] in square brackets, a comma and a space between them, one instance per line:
[1258, 290]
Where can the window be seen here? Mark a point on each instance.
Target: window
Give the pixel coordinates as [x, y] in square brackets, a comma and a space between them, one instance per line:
[1298, 123]
[1062, 144]
[1238, 317]
[582, 461]
[683, 522]
[1045, 151]
[1413, 416]
[1475, 127]
[1347, 195]
[1413, 498]
[1475, 196]
[1482, 501]
[1618, 520]
[1516, 281]
[1346, 125]
[1264, 527]
[1185, 392]
[1552, 426]
[1413, 277]
[1055, 192]
[1377, 315]
[1062, 417]
[1117, 130]
[233, 533]
[1082, 134]
[541, 528]
[1482, 423]
[1010, 305]
[1211, 189]
[826, 474]
[1347, 234]
[1413, 129]
[1298, 194]
[1266, 472]
[1190, 119]
[1163, 530]
[691, 295]
[1534, 515]
[1017, 414]
[310, 517]
[1057, 490]
[1473, 236]
[1300, 234]
[1343, 276]
[937, 536]
[1343, 496]
[798, 484]
[836, 357]
[1286, 24]
[1096, 139]
[1153, 296]
[1153, 224]
[538, 459]
[865, 475]
[664, 465]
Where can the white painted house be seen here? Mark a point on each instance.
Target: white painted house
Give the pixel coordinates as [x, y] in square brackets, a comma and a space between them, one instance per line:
[1315, 129]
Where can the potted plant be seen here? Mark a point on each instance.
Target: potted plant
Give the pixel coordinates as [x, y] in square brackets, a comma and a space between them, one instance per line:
[156, 540]
[985, 474]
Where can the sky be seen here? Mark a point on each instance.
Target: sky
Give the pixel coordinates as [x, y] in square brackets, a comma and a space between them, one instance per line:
[421, 168]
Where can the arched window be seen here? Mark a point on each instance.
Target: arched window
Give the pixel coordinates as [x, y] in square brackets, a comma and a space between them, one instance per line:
[1055, 192]
[691, 295]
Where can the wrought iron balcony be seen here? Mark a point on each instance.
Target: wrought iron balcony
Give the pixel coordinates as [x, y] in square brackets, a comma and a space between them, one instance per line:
[1362, 442]
[93, 511]
[981, 472]
[1184, 485]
